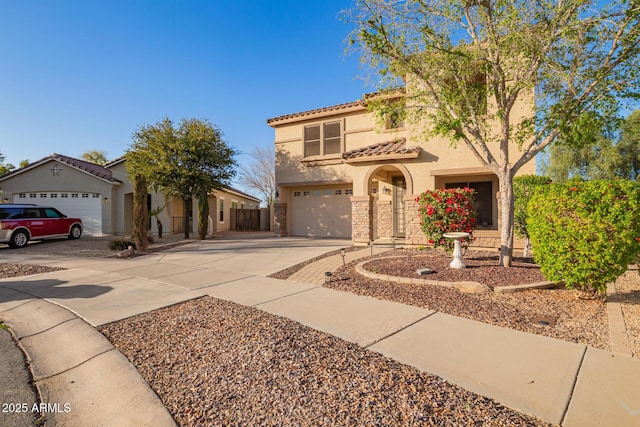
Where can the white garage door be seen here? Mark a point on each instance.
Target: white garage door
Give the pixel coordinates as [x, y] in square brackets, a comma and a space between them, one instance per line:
[321, 212]
[86, 206]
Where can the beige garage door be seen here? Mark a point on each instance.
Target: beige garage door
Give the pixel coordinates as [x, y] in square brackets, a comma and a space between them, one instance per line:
[321, 211]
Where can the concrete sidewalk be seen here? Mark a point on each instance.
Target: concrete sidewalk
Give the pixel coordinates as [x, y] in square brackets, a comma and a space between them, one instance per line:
[556, 381]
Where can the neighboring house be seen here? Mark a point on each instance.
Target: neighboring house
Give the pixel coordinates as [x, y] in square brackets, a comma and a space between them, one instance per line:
[103, 196]
[338, 174]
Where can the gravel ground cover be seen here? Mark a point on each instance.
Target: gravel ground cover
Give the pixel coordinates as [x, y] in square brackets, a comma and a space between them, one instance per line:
[8, 270]
[214, 362]
[88, 246]
[576, 320]
[481, 267]
[218, 363]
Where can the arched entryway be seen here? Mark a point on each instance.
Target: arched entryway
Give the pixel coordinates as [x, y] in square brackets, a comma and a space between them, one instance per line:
[388, 185]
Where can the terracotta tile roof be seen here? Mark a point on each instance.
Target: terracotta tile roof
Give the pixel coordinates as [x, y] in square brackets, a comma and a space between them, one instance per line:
[339, 107]
[333, 108]
[397, 146]
[92, 168]
[96, 170]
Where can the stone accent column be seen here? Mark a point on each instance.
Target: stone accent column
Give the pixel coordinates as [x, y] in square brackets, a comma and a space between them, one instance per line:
[361, 219]
[385, 218]
[280, 219]
[413, 228]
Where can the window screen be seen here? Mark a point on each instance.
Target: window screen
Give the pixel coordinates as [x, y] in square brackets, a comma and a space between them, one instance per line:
[312, 141]
[332, 138]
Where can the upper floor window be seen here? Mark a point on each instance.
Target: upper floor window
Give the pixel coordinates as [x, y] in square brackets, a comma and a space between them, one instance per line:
[320, 140]
[394, 120]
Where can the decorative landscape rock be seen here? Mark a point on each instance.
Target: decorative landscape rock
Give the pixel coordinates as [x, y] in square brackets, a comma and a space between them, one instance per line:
[214, 362]
[424, 271]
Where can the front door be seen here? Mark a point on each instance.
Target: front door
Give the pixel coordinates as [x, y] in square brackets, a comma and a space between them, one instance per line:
[399, 191]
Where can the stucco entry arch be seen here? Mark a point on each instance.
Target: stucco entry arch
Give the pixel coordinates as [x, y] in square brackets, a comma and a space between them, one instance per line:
[375, 168]
[380, 212]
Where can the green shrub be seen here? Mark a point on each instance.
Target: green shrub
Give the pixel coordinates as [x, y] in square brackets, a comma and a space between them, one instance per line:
[444, 211]
[523, 189]
[585, 233]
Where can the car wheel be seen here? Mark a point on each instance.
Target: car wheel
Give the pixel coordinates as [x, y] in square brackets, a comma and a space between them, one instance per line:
[75, 233]
[19, 239]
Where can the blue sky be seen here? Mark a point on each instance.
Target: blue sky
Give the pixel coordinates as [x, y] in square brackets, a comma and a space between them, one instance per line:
[83, 75]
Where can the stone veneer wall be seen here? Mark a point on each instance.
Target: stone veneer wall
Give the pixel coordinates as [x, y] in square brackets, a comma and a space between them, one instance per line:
[280, 219]
[384, 218]
[413, 229]
[361, 219]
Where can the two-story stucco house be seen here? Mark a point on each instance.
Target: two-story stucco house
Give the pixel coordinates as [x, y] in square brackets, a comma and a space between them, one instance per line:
[103, 196]
[339, 173]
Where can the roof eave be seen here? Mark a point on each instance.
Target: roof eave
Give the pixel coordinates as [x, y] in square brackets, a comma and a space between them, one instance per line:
[316, 114]
[380, 157]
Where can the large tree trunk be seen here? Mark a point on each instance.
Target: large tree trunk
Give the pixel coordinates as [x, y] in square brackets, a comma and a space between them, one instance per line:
[506, 218]
[140, 213]
[187, 208]
[203, 215]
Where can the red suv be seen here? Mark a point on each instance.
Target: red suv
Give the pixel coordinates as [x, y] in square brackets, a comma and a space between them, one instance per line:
[21, 223]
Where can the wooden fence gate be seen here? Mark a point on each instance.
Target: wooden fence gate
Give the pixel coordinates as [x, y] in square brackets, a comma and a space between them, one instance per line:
[245, 219]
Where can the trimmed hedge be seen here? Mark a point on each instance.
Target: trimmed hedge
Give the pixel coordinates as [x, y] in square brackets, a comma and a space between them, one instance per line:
[585, 233]
[524, 187]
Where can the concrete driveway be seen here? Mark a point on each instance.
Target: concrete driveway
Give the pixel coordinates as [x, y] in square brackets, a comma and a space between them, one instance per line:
[105, 290]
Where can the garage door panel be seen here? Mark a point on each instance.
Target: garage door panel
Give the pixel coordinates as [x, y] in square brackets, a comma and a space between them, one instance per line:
[321, 212]
[86, 206]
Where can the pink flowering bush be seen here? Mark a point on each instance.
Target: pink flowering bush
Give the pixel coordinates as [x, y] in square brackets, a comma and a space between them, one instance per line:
[444, 211]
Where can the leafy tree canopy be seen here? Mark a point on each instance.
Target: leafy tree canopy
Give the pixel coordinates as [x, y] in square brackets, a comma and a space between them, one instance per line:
[183, 161]
[98, 157]
[469, 67]
[5, 168]
[610, 156]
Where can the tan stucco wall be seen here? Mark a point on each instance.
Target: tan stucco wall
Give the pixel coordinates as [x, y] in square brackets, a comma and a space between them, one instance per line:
[214, 208]
[359, 130]
[120, 210]
[438, 163]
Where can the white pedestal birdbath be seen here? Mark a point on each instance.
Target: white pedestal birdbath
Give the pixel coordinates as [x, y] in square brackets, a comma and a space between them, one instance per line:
[457, 250]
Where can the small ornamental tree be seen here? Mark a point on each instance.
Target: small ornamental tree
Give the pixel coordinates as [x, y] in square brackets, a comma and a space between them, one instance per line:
[585, 233]
[444, 211]
[523, 189]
